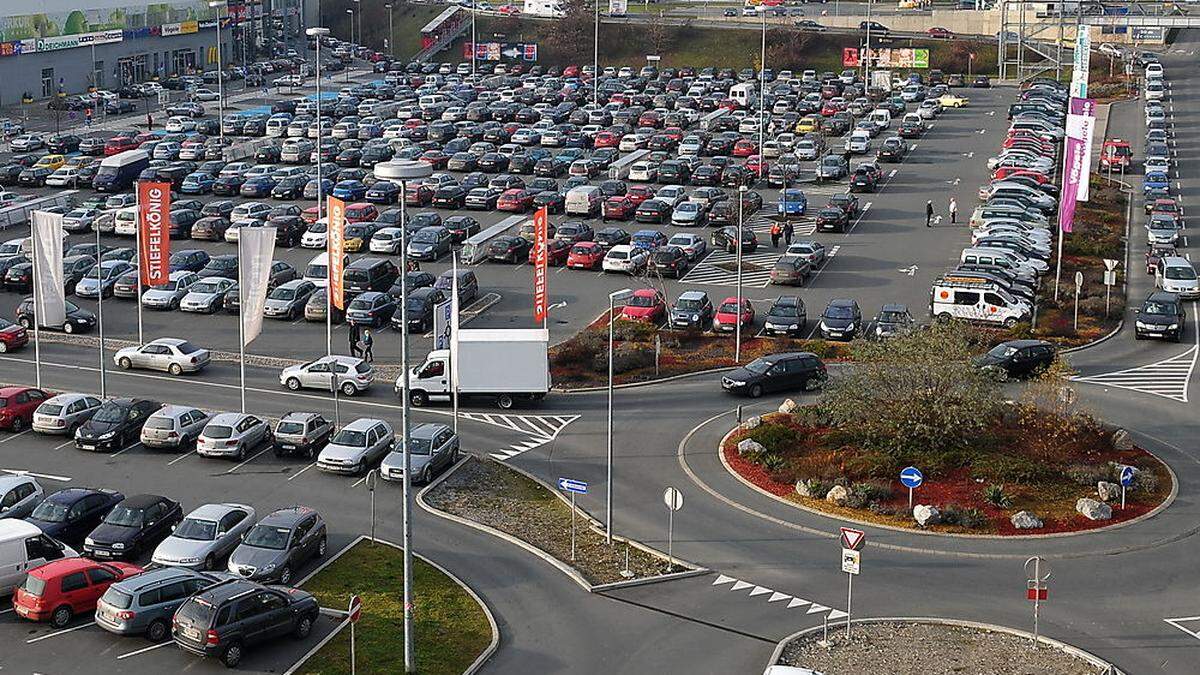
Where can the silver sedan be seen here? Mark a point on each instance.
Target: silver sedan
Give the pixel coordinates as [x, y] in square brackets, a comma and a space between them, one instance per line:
[206, 295]
[173, 355]
[232, 435]
[205, 536]
[170, 294]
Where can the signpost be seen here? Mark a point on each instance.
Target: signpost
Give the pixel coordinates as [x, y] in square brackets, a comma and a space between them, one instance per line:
[1078, 287]
[1037, 573]
[355, 613]
[371, 479]
[441, 325]
[674, 500]
[912, 478]
[1127, 473]
[575, 487]
[1110, 280]
[852, 541]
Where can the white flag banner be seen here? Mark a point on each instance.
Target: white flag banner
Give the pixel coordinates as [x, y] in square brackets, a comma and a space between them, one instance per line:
[49, 293]
[256, 249]
[454, 323]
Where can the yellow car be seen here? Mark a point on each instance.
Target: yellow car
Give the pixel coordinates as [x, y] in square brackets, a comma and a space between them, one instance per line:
[809, 124]
[356, 238]
[952, 101]
[51, 162]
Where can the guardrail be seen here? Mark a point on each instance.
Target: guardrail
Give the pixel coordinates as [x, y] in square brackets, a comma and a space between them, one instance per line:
[18, 214]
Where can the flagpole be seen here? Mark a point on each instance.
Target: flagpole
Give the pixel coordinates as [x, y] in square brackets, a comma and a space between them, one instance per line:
[100, 318]
[241, 324]
[37, 311]
[137, 255]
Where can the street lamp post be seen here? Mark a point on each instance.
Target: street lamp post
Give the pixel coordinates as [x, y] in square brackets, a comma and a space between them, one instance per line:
[613, 298]
[762, 91]
[391, 41]
[319, 33]
[217, 4]
[403, 171]
[351, 13]
[737, 344]
[596, 59]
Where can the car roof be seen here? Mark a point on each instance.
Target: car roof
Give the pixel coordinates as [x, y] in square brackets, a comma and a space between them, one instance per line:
[155, 576]
[1162, 296]
[169, 341]
[894, 307]
[215, 511]
[362, 424]
[427, 430]
[843, 302]
[9, 481]
[228, 418]
[289, 515]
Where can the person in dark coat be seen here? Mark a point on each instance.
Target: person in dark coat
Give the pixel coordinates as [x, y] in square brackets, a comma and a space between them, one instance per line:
[929, 214]
[354, 338]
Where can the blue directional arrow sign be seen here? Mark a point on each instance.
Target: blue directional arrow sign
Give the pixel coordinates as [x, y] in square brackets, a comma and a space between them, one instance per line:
[572, 485]
[912, 477]
[1126, 475]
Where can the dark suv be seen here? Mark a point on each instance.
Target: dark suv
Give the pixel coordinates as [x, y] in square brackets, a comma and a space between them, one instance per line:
[280, 544]
[225, 618]
[776, 372]
[1160, 316]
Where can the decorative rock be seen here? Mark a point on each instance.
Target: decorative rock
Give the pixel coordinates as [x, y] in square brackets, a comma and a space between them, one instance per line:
[837, 495]
[926, 515]
[1024, 520]
[749, 446]
[1093, 510]
[752, 423]
[787, 407]
[802, 488]
[1108, 491]
[1121, 440]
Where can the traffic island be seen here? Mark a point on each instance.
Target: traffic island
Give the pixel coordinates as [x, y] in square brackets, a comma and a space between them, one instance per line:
[452, 626]
[508, 503]
[985, 464]
[933, 647]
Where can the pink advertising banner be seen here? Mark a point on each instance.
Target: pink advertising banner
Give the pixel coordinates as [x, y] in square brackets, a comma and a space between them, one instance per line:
[1076, 148]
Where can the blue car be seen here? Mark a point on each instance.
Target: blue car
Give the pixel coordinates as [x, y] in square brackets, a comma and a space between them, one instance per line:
[1155, 180]
[792, 203]
[69, 515]
[197, 183]
[258, 187]
[648, 239]
[382, 192]
[350, 190]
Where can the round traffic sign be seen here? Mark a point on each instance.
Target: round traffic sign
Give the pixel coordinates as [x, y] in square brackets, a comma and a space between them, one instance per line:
[673, 499]
[1127, 473]
[355, 609]
[911, 477]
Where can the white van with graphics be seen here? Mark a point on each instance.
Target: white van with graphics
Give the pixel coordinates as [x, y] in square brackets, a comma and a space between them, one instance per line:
[972, 300]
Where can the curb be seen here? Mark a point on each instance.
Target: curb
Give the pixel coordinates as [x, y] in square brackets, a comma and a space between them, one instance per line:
[645, 383]
[1096, 661]
[1170, 499]
[560, 565]
[487, 611]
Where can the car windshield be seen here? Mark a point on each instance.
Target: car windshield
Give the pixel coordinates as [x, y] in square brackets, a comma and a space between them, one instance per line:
[838, 312]
[758, 366]
[1180, 273]
[50, 512]
[421, 446]
[643, 301]
[283, 294]
[1158, 308]
[785, 310]
[290, 428]
[1002, 351]
[892, 317]
[110, 413]
[425, 237]
[124, 517]
[690, 305]
[222, 263]
[197, 530]
[350, 438]
[207, 287]
[268, 536]
[729, 308]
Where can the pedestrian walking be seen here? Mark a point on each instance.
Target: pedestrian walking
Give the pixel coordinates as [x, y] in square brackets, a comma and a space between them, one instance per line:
[354, 337]
[776, 233]
[953, 210]
[788, 231]
[929, 213]
[367, 343]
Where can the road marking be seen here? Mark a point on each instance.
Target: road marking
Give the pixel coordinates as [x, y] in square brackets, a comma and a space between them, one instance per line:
[122, 450]
[61, 632]
[16, 435]
[145, 649]
[47, 476]
[1167, 378]
[302, 471]
[251, 459]
[6, 611]
[181, 457]
[60, 446]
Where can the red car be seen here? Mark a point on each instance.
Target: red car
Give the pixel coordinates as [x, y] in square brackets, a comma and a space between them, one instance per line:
[361, 212]
[1007, 171]
[639, 194]
[570, 71]
[12, 336]
[726, 317]
[586, 255]
[939, 32]
[119, 144]
[618, 208]
[516, 200]
[755, 164]
[646, 304]
[606, 139]
[58, 591]
[418, 195]
[744, 148]
[17, 405]
[310, 214]
[435, 158]
[557, 252]
[673, 133]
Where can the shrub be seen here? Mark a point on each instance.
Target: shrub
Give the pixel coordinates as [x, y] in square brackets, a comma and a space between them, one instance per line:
[1145, 482]
[771, 461]
[970, 518]
[1003, 468]
[633, 331]
[817, 488]
[862, 495]
[995, 495]
[821, 348]
[872, 465]
[774, 437]
[1089, 474]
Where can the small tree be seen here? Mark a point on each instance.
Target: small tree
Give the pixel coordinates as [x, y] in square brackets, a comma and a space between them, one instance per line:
[571, 36]
[914, 394]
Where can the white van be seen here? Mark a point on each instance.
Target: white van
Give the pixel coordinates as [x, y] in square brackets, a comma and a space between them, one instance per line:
[881, 117]
[125, 222]
[431, 100]
[584, 200]
[277, 125]
[972, 300]
[317, 270]
[24, 547]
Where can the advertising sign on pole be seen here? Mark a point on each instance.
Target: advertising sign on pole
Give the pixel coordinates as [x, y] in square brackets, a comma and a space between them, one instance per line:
[154, 244]
[1082, 61]
[540, 222]
[441, 325]
[335, 238]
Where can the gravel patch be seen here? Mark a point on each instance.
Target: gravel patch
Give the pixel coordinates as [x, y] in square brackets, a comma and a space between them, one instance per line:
[929, 649]
[490, 493]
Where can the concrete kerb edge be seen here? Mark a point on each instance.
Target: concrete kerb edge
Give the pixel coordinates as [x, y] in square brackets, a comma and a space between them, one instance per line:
[645, 383]
[960, 623]
[1170, 499]
[565, 568]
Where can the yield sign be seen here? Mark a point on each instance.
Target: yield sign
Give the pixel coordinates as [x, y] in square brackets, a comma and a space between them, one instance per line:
[853, 539]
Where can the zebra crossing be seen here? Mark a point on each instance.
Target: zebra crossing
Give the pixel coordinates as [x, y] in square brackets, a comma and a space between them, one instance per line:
[719, 268]
[760, 224]
[539, 430]
[776, 598]
[1168, 378]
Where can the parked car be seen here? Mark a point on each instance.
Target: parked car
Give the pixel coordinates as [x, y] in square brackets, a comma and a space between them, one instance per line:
[205, 536]
[224, 619]
[787, 316]
[62, 414]
[134, 526]
[18, 406]
[232, 435]
[19, 495]
[58, 591]
[69, 515]
[279, 544]
[301, 433]
[841, 320]
[116, 425]
[143, 604]
[356, 447]
[173, 427]
[434, 448]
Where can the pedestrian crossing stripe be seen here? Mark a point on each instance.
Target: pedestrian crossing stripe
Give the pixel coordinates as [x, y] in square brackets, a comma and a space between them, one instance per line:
[539, 430]
[1168, 378]
[710, 270]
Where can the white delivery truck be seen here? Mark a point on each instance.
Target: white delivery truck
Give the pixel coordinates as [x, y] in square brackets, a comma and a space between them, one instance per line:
[504, 365]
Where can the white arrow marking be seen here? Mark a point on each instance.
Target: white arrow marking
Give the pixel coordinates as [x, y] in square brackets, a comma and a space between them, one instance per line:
[937, 220]
[741, 585]
[957, 181]
[759, 590]
[798, 602]
[981, 131]
[969, 155]
[722, 579]
[991, 113]
[776, 597]
[911, 270]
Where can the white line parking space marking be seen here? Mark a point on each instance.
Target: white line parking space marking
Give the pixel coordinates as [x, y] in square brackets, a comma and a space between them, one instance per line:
[47, 636]
[181, 457]
[251, 459]
[64, 444]
[144, 650]
[302, 470]
[16, 435]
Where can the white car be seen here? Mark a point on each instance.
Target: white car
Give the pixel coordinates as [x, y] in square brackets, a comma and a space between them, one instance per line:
[353, 375]
[27, 142]
[692, 244]
[178, 125]
[315, 235]
[174, 355]
[1176, 275]
[625, 258]
[859, 143]
[643, 172]
[63, 176]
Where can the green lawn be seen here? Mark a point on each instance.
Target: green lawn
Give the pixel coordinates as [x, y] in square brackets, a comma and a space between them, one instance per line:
[451, 628]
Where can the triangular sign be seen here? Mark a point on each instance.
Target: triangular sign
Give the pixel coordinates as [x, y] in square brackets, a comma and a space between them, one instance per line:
[852, 539]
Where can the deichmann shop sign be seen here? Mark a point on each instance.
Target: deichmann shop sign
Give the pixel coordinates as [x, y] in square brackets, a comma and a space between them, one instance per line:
[52, 44]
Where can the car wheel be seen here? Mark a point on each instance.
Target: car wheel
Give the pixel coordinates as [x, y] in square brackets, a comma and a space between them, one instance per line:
[756, 390]
[321, 548]
[232, 655]
[418, 398]
[303, 627]
[175, 369]
[18, 424]
[293, 384]
[61, 617]
[349, 389]
[210, 563]
[68, 328]
[25, 322]
[3, 347]
[157, 631]
[505, 401]
[285, 575]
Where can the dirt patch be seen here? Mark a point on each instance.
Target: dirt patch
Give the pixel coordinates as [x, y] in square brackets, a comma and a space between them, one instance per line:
[490, 493]
[930, 649]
